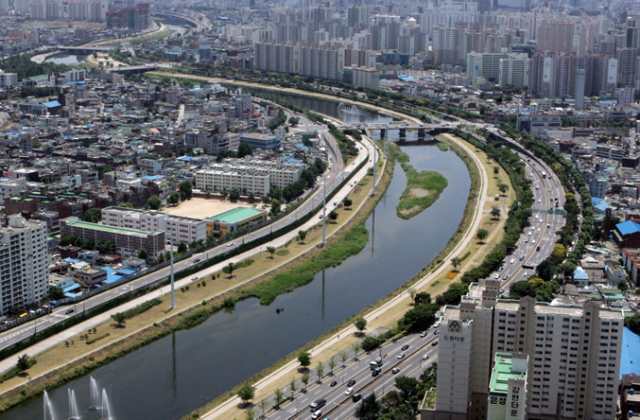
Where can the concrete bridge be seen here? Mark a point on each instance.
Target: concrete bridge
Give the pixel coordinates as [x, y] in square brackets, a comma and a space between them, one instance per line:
[135, 69]
[175, 19]
[425, 132]
[84, 50]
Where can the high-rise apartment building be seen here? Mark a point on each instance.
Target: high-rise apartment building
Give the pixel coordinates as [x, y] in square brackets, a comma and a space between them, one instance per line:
[556, 37]
[446, 46]
[482, 65]
[24, 263]
[573, 356]
[514, 70]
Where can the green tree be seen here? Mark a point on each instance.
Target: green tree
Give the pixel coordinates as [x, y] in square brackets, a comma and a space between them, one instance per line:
[333, 216]
[332, 365]
[370, 343]
[56, 292]
[482, 234]
[301, 236]
[522, 288]
[456, 261]
[89, 244]
[182, 248]
[263, 407]
[126, 205]
[244, 150]
[275, 207]
[344, 357]
[153, 203]
[361, 324]
[119, 318]
[234, 195]
[292, 387]
[347, 203]
[356, 347]
[271, 250]
[246, 392]
[495, 212]
[369, 408]
[496, 170]
[143, 254]
[279, 397]
[305, 379]
[293, 121]
[24, 362]
[228, 269]
[249, 414]
[503, 188]
[174, 198]
[186, 190]
[93, 215]
[320, 371]
[304, 358]
[420, 317]
[421, 297]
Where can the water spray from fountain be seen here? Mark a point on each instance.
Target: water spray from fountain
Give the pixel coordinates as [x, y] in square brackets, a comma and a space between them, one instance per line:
[106, 407]
[96, 402]
[73, 405]
[49, 413]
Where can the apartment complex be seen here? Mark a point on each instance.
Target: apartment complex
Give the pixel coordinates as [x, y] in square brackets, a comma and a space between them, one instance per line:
[24, 263]
[183, 229]
[135, 18]
[127, 241]
[508, 387]
[248, 176]
[574, 356]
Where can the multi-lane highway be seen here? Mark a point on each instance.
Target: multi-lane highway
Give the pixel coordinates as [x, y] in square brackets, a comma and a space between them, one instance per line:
[537, 240]
[339, 395]
[335, 175]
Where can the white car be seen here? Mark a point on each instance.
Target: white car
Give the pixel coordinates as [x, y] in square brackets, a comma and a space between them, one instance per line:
[401, 356]
[230, 244]
[511, 261]
[349, 391]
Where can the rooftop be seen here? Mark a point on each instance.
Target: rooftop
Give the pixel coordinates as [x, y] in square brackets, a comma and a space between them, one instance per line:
[111, 229]
[236, 215]
[503, 372]
[630, 352]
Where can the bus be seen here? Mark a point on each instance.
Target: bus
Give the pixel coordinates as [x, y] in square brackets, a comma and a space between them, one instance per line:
[375, 364]
[544, 175]
[23, 315]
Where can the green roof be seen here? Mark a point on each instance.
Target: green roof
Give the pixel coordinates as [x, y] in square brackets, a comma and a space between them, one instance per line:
[113, 229]
[502, 373]
[236, 215]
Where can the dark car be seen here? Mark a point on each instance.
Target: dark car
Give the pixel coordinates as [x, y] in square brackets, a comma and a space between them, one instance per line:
[333, 383]
[356, 397]
[538, 249]
[435, 343]
[70, 311]
[375, 372]
[406, 346]
[317, 404]
[351, 383]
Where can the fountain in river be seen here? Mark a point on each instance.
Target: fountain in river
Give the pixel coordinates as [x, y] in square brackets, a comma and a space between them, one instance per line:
[106, 407]
[73, 405]
[95, 403]
[49, 413]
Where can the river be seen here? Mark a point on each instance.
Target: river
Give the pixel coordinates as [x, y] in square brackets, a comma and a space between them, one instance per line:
[184, 371]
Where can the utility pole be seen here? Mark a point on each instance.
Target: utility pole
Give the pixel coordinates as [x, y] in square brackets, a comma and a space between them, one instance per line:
[173, 290]
[324, 210]
[373, 191]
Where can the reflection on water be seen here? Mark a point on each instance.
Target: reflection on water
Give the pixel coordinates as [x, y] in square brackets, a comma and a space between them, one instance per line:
[69, 60]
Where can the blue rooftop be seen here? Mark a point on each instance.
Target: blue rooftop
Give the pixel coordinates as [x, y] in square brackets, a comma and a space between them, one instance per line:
[630, 353]
[406, 78]
[603, 206]
[153, 177]
[52, 104]
[596, 200]
[629, 227]
[72, 260]
[186, 158]
[580, 274]
[291, 160]
[112, 276]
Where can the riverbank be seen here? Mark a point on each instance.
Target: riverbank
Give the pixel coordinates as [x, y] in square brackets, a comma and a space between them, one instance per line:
[205, 297]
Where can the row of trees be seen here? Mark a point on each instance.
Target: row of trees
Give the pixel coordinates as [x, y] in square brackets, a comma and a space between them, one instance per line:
[107, 247]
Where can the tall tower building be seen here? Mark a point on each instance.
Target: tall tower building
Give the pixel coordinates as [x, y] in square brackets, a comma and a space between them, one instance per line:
[556, 37]
[573, 356]
[24, 262]
[580, 82]
[514, 71]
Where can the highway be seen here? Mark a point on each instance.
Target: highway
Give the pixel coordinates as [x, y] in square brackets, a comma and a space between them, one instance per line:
[336, 173]
[339, 404]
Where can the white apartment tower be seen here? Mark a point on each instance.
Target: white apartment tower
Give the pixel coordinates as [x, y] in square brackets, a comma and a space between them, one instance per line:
[574, 356]
[515, 71]
[24, 263]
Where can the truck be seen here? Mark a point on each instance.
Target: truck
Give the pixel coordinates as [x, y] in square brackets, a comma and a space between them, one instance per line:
[544, 175]
[375, 364]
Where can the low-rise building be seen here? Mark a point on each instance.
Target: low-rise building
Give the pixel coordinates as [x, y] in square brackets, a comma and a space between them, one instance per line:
[89, 276]
[235, 220]
[260, 141]
[127, 241]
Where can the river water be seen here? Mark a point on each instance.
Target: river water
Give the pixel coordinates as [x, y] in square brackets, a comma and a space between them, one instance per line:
[184, 371]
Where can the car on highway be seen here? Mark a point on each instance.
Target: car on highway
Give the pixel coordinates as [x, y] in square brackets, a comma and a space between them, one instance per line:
[436, 332]
[320, 217]
[318, 404]
[511, 261]
[317, 414]
[194, 278]
[401, 356]
[356, 397]
[423, 334]
[196, 261]
[230, 244]
[351, 383]
[425, 356]
[395, 370]
[333, 383]
[70, 311]
[406, 346]
[537, 249]
[349, 391]
[376, 372]
[435, 343]
[506, 276]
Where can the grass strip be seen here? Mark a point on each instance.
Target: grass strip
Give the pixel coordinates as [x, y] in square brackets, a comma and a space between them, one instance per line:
[14, 371]
[97, 338]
